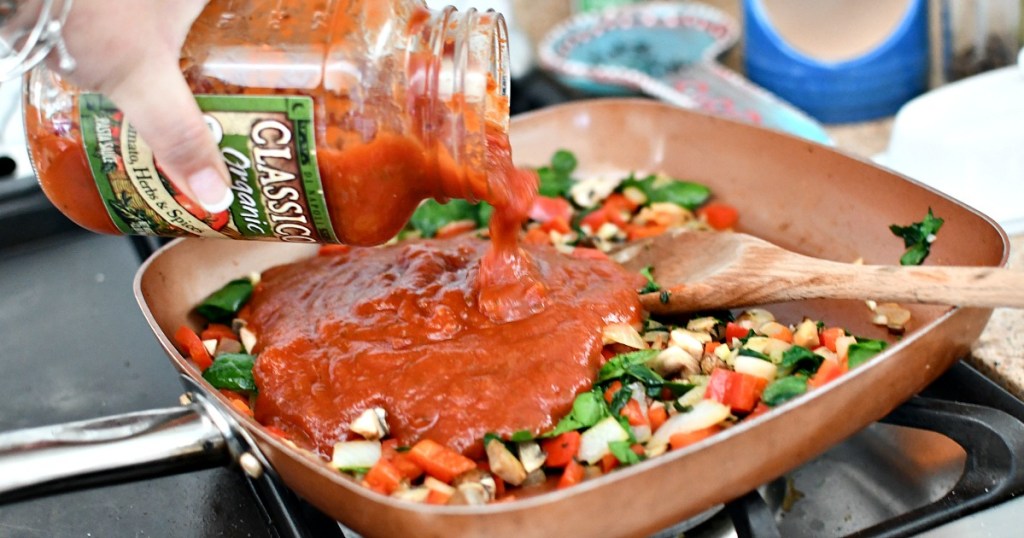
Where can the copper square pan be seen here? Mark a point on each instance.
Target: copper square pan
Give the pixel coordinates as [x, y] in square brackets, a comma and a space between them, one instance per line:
[798, 194]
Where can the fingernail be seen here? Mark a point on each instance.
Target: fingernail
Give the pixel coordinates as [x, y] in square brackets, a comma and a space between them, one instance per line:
[210, 190]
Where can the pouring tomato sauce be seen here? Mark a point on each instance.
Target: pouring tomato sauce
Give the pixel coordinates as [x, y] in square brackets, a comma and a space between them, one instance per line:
[454, 338]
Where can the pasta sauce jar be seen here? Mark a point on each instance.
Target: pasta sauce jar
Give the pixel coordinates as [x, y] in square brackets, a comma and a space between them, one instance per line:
[335, 119]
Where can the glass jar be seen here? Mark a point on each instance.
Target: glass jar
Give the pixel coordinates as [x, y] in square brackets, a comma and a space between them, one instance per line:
[335, 118]
[981, 35]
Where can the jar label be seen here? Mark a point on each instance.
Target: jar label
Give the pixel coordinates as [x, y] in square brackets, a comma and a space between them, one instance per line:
[268, 145]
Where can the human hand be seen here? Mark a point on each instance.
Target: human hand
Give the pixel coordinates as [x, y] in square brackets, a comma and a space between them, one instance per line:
[130, 53]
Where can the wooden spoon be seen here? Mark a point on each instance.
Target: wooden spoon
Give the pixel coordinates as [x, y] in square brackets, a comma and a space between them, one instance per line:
[713, 270]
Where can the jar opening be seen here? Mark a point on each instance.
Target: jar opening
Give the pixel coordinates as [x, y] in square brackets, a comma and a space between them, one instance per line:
[472, 88]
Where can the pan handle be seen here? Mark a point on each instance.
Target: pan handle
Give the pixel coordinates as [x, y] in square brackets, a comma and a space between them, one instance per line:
[133, 446]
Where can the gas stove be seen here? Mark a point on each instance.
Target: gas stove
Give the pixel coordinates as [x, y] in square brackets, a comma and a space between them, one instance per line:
[947, 463]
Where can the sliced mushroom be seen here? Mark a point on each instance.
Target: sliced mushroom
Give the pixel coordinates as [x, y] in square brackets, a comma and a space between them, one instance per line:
[504, 464]
[227, 345]
[531, 456]
[473, 486]
[371, 424]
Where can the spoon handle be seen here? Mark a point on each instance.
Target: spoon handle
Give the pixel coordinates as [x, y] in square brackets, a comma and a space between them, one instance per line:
[961, 286]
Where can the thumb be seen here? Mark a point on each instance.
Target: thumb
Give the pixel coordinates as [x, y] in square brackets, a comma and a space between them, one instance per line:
[157, 101]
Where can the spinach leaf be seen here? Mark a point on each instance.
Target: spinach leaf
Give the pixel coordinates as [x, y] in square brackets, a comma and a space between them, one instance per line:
[623, 451]
[784, 389]
[682, 193]
[619, 400]
[863, 350]
[651, 285]
[556, 179]
[799, 359]
[617, 365]
[483, 215]
[645, 375]
[223, 304]
[587, 409]
[676, 388]
[432, 215]
[491, 436]
[918, 238]
[563, 162]
[521, 436]
[232, 371]
[756, 354]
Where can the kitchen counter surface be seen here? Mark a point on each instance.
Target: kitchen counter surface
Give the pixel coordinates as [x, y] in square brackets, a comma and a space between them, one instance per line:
[999, 352]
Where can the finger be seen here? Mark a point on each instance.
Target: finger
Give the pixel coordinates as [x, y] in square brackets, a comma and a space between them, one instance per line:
[158, 102]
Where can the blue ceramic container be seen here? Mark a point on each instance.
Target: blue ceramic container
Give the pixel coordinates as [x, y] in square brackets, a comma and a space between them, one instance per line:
[870, 86]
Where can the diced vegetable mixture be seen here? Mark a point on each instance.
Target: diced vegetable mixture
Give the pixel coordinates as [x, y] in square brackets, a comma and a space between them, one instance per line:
[663, 386]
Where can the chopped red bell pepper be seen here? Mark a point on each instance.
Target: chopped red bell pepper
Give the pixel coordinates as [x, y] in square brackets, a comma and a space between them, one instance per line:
[681, 440]
[643, 231]
[657, 415]
[735, 330]
[189, 342]
[437, 497]
[828, 371]
[608, 463]
[547, 209]
[719, 216]
[536, 236]
[216, 331]
[561, 449]
[594, 220]
[439, 461]
[740, 392]
[409, 468]
[384, 477]
[830, 335]
[633, 413]
[572, 475]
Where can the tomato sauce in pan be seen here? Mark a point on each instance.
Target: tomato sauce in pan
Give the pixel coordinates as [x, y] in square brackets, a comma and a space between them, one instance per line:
[401, 327]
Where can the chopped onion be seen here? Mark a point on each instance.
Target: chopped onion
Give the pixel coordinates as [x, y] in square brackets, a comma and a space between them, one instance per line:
[248, 339]
[211, 346]
[623, 333]
[594, 441]
[588, 192]
[688, 341]
[416, 495]
[704, 414]
[350, 455]
[757, 343]
[827, 353]
[641, 433]
[843, 344]
[775, 348]
[755, 367]
[705, 324]
[371, 424]
[693, 396]
[438, 486]
[806, 335]
[755, 317]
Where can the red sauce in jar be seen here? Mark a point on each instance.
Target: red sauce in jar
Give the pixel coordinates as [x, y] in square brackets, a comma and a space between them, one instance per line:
[400, 327]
